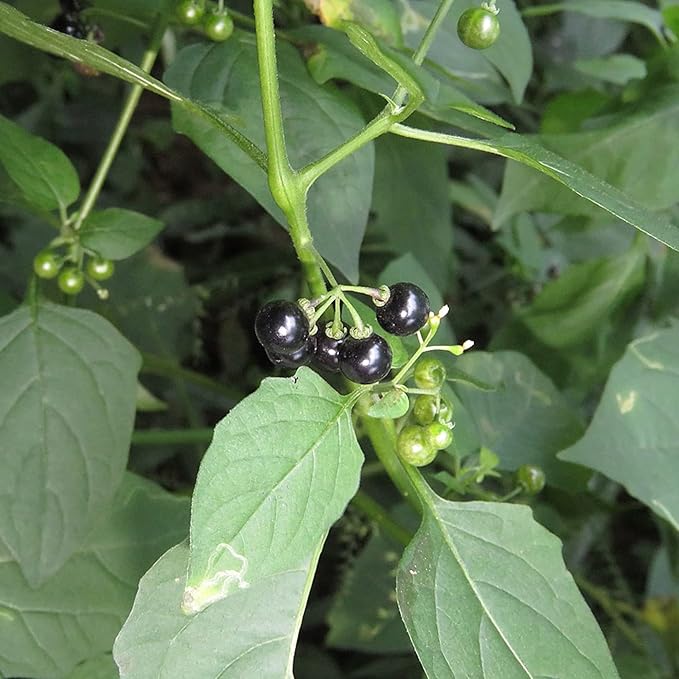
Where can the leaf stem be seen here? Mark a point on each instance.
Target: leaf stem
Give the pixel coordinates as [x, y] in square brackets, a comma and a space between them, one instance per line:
[377, 513]
[149, 58]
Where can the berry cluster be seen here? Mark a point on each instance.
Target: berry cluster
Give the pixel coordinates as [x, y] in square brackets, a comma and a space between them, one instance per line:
[216, 22]
[430, 420]
[291, 338]
[48, 264]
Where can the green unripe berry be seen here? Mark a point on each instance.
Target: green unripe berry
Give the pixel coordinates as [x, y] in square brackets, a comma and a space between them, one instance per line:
[100, 269]
[71, 281]
[531, 478]
[424, 410]
[190, 12]
[439, 436]
[218, 26]
[478, 28]
[46, 264]
[413, 448]
[430, 373]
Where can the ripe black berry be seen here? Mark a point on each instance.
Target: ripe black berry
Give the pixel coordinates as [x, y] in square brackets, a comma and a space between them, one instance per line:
[406, 311]
[70, 24]
[281, 327]
[327, 352]
[365, 361]
[296, 359]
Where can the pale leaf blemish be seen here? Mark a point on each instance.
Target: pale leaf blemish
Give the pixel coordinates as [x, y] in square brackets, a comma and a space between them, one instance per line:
[6, 614]
[626, 402]
[230, 576]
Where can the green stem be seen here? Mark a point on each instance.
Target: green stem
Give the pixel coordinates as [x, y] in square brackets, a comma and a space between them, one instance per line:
[429, 35]
[382, 435]
[165, 437]
[285, 185]
[149, 58]
[377, 513]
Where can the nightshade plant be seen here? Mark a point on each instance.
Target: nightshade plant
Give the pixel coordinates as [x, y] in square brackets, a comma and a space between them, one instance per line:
[459, 459]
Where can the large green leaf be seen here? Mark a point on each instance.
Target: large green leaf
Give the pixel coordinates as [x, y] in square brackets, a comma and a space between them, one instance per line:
[74, 616]
[44, 175]
[525, 419]
[485, 594]
[99, 667]
[511, 55]
[115, 233]
[635, 151]
[316, 120]
[573, 176]
[634, 436]
[622, 10]
[572, 308]
[250, 633]
[67, 407]
[280, 470]
[405, 171]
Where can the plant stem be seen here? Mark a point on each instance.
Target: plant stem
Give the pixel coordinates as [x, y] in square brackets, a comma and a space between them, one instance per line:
[429, 35]
[164, 437]
[149, 58]
[286, 187]
[382, 435]
[377, 513]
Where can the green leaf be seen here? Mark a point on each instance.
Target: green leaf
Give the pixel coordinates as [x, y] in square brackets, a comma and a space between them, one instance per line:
[42, 172]
[252, 632]
[572, 308]
[406, 170]
[20, 27]
[574, 177]
[634, 436]
[618, 69]
[511, 56]
[99, 667]
[630, 140]
[525, 420]
[462, 377]
[390, 404]
[484, 592]
[115, 233]
[70, 381]
[622, 10]
[281, 468]
[76, 614]
[317, 120]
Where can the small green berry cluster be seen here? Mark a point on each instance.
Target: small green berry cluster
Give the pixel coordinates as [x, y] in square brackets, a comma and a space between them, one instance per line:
[49, 264]
[429, 426]
[216, 21]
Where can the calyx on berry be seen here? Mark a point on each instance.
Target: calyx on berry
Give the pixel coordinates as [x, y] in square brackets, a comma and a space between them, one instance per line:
[282, 327]
[406, 311]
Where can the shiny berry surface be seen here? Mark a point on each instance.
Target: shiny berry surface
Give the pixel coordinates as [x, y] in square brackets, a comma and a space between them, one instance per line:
[413, 448]
[100, 269]
[406, 311]
[190, 12]
[430, 373]
[439, 436]
[531, 478]
[327, 356]
[365, 361]
[46, 264]
[281, 327]
[218, 26]
[478, 28]
[71, 281]
[296, 359]
[424, 409]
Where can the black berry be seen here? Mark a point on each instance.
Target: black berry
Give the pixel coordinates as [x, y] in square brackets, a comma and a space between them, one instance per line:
[281, 327]
[70, 24]
[327, 355]
[365, 361]
[296, 359]
[406, 311]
